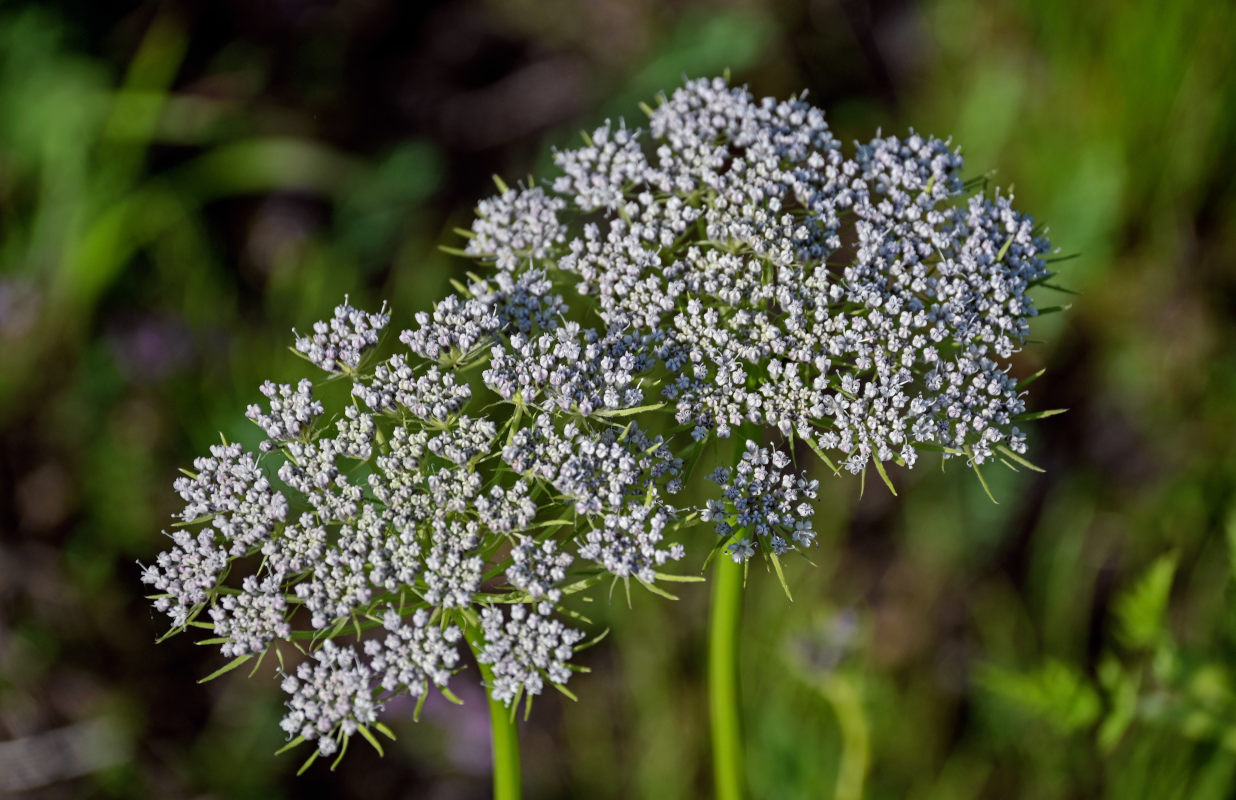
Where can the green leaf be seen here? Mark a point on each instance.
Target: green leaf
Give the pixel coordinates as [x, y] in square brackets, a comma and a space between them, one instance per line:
[720, 546]
[785, 586]
[974, 465]
[1024, 382]
[820, 454]
[573, 614]
[1140, 610]
[369, 737]
[565, 691]
[1031, 416]
[931, 447]
[258, 664]
[1004, 250]
[1056, 692]
[259, 166]
[299, 740]
[593, 641]
[657, 590]
[1010, 454]
[308, 762]
[884, 475]
[1121, 690]
[664, 576]
[627, 412]
[231, 665]
[342, 751]
[1230, 530]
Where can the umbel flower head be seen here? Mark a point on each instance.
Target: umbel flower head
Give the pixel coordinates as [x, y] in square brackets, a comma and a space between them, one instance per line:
[730, 270]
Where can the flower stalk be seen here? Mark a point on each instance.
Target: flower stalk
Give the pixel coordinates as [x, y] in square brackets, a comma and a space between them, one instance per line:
[504, 741]
[728, 762]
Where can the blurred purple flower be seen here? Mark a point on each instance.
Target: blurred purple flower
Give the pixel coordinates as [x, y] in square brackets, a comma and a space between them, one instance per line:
[149, 348]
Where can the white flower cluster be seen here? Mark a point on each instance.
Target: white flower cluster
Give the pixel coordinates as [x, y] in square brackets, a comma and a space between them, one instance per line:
[253, 618]
[861, 303]
[230, 490]
[431, 395]
[330, 697]
[538, 568]
[598, 471]
[453, 330]
[404, 503]
[763, 497]
[736, 273]
[292, 411]
[341, 342]
[629, 543]
[516, 226]
[465, 441]
[414, 655]
[570, 369]
[523, 647]
[186, 574]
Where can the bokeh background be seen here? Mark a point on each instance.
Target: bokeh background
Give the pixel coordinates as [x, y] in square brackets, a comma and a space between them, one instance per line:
[182, 183]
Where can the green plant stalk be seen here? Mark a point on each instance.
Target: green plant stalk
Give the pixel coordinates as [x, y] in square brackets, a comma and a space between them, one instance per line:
[728, 768]
[504, 738]
[846, 700]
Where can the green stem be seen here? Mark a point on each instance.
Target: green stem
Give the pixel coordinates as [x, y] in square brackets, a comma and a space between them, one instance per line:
[723, 695]
[503, 737]
[847, 704]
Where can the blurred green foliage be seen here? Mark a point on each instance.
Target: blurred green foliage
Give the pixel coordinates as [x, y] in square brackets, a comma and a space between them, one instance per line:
[175, 196]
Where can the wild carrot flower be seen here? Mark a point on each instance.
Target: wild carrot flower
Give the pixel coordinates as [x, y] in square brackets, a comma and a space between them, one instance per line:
[732, 266]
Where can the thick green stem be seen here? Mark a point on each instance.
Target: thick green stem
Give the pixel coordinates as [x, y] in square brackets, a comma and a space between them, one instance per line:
[503, 738]
[723, 695]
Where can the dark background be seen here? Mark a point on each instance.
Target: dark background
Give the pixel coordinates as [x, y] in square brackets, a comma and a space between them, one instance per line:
[182, 183]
